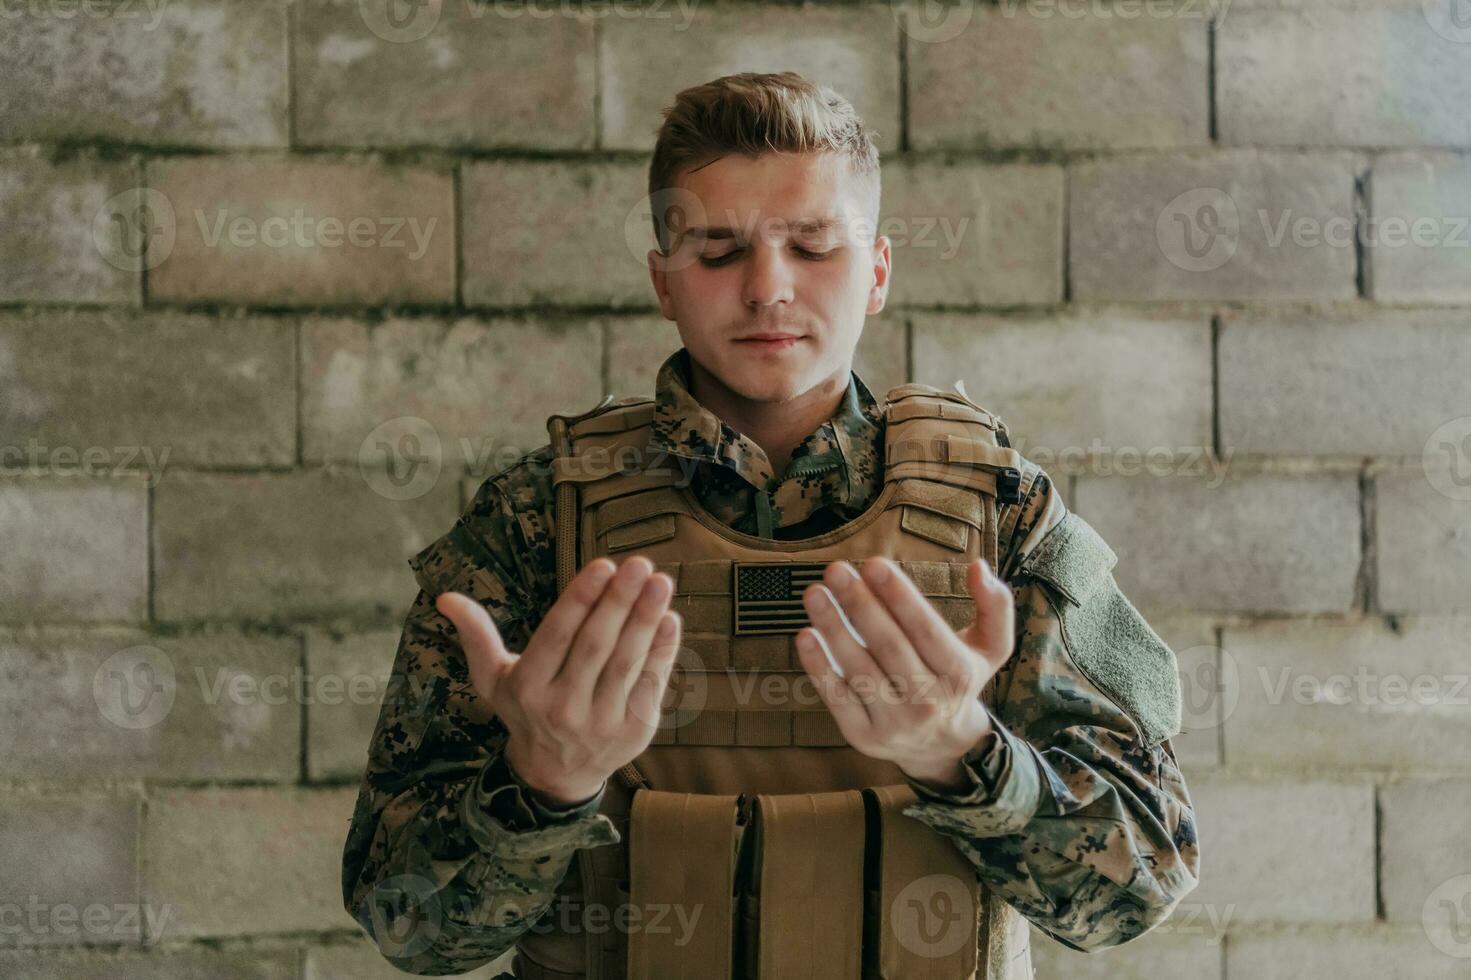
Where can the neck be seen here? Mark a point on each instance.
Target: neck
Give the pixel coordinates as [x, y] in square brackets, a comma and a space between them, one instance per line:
[777, 427]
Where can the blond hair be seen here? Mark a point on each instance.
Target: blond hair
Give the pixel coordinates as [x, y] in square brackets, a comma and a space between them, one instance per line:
[751, 113]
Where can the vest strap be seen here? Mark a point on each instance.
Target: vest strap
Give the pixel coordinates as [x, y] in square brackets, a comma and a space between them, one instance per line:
[810, 897]
[682, 859]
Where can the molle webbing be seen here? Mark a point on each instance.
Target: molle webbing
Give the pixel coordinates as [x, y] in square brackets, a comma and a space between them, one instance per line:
[682, 851]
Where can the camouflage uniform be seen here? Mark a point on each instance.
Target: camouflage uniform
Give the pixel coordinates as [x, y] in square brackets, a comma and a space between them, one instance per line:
[1078, 821]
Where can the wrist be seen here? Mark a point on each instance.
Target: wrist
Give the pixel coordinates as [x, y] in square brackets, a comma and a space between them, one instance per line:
[948, 776]
[553, 796]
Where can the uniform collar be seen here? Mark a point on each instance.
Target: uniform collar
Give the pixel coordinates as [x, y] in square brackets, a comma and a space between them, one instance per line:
[839, 465]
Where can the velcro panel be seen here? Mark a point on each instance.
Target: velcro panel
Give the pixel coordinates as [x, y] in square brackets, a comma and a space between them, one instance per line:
[973, 478]
[682, 857]
[974, 452]
[946, 531]
[924, 909]
[811, 886]
[640, 507]
[638, 534]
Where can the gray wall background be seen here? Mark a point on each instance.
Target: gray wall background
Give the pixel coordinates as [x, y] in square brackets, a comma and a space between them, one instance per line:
[273, 278]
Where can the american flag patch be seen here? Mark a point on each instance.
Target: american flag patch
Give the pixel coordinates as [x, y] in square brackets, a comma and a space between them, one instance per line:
[768, 595]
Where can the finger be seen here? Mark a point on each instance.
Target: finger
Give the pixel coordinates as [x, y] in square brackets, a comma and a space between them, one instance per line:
[610, 692]
[553, 638]
[596, 637]
[847, 709]
[822, 610]
[993, 633]
[485, 652]
[887, 643]
[929, 635]
[646, 695]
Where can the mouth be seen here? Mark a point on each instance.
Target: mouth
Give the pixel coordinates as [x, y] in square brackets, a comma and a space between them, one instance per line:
[770, 341]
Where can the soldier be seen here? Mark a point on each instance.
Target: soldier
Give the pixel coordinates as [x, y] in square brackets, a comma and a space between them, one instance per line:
[985, 728]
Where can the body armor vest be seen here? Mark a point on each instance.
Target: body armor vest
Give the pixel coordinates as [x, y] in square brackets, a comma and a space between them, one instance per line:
[755, 842]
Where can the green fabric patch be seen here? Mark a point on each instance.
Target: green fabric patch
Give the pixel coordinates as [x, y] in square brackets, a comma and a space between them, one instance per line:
[1107, 638]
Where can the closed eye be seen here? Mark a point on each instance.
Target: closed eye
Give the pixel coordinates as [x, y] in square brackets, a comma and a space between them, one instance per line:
[714, 262]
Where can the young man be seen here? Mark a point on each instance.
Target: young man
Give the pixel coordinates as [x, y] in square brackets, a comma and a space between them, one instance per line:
[990, 729]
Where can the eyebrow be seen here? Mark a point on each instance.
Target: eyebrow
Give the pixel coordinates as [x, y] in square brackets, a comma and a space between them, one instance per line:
[804, 226]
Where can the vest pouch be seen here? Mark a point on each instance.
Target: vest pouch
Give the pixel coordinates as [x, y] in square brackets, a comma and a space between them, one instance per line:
[682, 870]
[809, 886]
[924, 900]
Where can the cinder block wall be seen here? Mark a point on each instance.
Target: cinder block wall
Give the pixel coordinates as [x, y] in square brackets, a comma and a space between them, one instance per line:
[280, 282]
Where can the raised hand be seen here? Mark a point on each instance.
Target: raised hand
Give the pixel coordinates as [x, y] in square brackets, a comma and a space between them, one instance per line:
[584, 697]
[910, 692]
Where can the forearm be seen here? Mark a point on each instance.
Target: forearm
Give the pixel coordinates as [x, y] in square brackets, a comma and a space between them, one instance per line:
[497, 881]
[1092, 837]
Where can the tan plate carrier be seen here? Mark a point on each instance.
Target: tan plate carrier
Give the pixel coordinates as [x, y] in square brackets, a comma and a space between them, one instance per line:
[756, 842]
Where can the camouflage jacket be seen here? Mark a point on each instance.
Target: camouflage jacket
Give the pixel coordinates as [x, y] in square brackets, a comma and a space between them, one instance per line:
[1079, 822]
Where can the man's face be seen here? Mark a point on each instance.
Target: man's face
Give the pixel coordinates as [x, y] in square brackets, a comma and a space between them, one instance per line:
[777, 244]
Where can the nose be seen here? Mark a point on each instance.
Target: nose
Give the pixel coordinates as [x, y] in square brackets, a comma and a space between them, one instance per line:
[768, 276]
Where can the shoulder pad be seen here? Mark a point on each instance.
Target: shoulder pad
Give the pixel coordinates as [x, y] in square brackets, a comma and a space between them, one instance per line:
[915, 399]
[1106, 637]
[609, 415]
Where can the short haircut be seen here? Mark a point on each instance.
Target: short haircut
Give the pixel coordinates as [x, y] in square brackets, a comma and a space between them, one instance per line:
[753, 113]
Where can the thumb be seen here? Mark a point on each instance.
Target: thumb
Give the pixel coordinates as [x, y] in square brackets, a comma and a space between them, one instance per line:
[994, 631]
[485, 651]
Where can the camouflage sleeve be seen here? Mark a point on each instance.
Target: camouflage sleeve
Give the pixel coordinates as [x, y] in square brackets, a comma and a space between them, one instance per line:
[449, 859]
[1078, 814]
